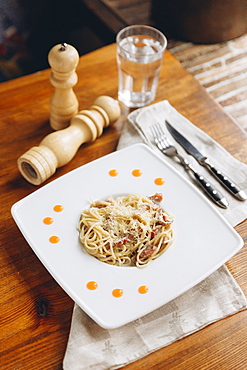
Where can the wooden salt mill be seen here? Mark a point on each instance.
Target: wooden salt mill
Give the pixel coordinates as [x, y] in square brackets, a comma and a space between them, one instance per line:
[58, 148]
[63, 59]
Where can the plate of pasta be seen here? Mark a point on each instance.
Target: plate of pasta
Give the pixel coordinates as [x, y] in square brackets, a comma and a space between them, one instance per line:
[125, 234]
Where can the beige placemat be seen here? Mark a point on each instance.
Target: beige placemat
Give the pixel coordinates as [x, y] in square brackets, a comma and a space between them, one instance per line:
[218, 296]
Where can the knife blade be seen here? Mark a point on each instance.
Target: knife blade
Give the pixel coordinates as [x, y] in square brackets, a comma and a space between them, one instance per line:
[230, 185]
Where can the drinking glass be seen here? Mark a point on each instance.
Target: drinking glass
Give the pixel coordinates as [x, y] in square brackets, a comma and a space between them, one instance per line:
[140, 52]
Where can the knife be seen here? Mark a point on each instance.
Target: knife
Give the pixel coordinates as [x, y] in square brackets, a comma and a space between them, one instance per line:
[204, 161]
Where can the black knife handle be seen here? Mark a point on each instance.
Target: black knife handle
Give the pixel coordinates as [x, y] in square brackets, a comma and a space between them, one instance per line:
[226, 181]
[214, 193]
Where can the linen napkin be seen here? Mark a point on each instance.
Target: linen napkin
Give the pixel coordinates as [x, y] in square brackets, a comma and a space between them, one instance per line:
[216, 297]
[138, 130]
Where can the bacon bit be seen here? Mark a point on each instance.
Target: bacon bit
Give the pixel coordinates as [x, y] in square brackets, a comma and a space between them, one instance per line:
[156, 208]
[143, 208]
[150, 249]
[120, 242]
[157, 197]
[164, 220]
[162, 223]
[107, 246]
[154, 232]
[129, 237]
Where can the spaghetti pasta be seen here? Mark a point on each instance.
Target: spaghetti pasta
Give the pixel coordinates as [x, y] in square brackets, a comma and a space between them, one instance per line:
[130, 230]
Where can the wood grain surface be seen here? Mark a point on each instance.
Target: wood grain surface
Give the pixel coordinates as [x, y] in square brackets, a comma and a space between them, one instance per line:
[35, 312]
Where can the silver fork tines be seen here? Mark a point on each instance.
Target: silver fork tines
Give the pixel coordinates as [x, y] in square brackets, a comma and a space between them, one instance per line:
[164, 144]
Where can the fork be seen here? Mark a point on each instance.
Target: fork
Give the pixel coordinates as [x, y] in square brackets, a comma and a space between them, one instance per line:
[166, 147]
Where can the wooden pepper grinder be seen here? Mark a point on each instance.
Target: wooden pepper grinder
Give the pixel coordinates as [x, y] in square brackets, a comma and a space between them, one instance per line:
[63, 59]
[58, 148]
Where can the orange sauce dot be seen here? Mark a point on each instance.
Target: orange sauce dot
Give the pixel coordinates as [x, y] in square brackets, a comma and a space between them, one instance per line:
[143, 289]
[113, 173]
[48, 220]
[136, 173]
[92, 285]
[54, 239]
[159, 181]
[117, 293]
[58, 208]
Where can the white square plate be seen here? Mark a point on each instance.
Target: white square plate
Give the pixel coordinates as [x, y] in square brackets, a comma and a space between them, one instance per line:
[203, 238]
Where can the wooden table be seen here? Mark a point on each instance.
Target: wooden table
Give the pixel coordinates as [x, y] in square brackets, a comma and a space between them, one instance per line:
[35, 311]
